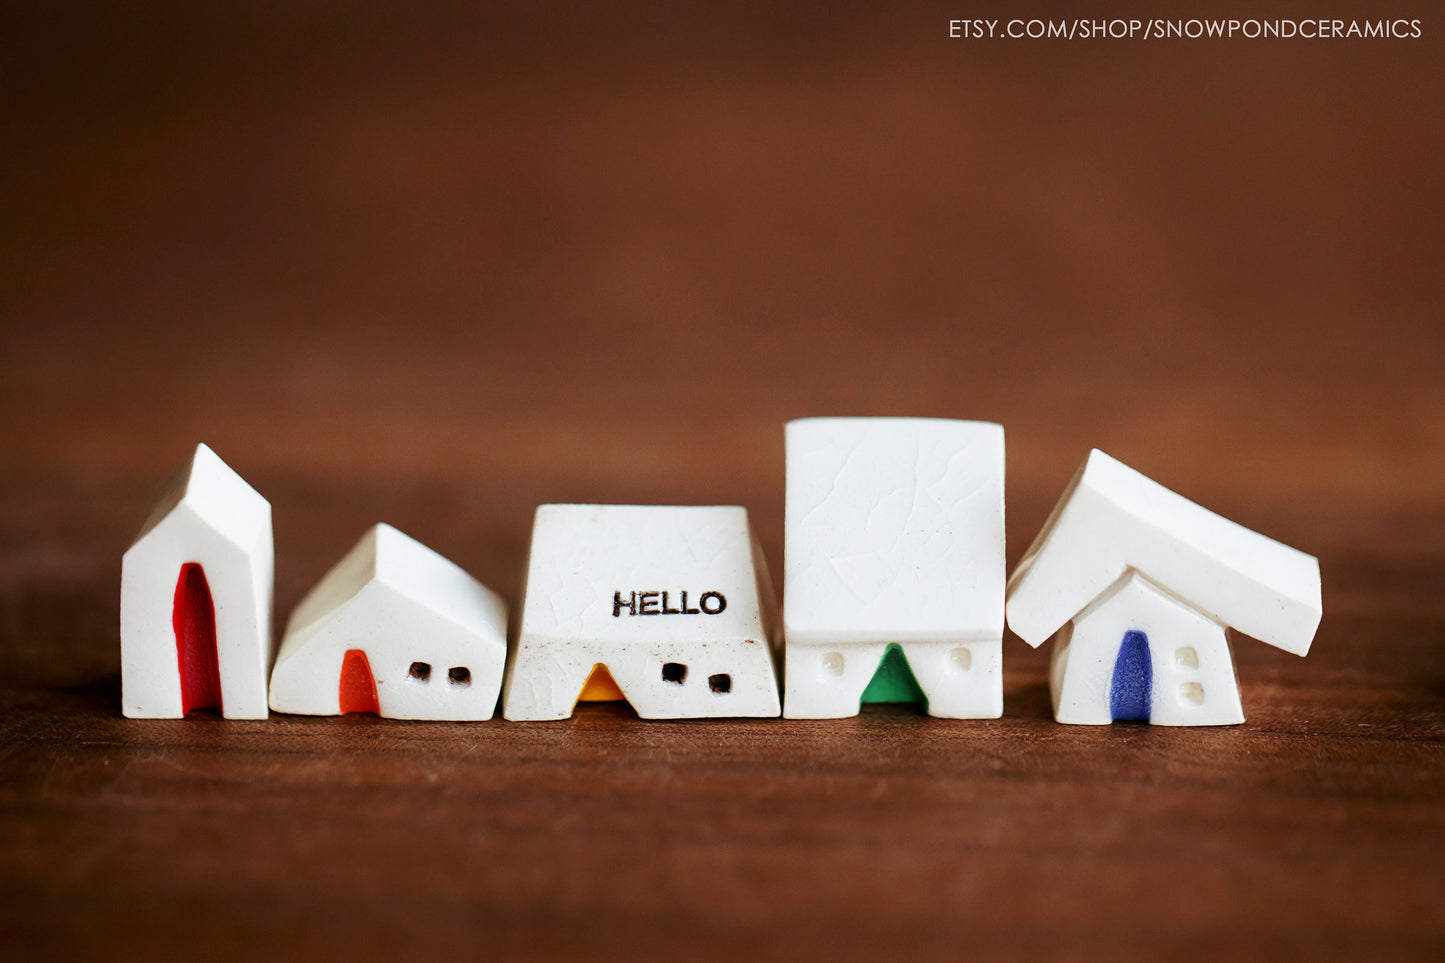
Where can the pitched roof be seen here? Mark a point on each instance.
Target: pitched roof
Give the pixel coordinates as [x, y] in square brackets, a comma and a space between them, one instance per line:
[216, 494]
[1111, 519]
[408, 567]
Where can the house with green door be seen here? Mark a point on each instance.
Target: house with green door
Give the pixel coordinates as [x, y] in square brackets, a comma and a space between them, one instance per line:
[893, 569]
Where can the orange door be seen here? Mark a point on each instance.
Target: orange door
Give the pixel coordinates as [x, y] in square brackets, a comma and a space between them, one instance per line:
[358, 686]
[193, 617]
[600, 687]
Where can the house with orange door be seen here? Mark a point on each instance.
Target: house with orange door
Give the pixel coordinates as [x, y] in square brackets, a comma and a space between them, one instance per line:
[397, 630]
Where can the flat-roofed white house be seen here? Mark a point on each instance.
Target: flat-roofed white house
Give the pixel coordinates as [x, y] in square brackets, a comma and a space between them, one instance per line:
[1137, 586]
[895, 547]
[669, 607]
[195, 598]
[396, 629]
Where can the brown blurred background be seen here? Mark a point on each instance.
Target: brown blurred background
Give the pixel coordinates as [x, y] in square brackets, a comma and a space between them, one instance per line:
[437, 265]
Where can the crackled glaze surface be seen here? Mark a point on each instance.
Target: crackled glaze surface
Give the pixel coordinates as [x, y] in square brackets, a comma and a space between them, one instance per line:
[637, 589]
[895, 535]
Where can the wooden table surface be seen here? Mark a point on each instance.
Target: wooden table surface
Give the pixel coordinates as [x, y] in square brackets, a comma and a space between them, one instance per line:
[436, 269]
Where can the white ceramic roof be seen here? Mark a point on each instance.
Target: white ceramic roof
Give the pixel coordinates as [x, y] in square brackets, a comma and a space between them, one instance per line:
[895, 530]
[585, 557]
[212, 490]
[1111, 519]
[409, 568]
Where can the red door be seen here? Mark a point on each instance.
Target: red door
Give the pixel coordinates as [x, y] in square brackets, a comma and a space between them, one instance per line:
[194, 619]
[358, 686]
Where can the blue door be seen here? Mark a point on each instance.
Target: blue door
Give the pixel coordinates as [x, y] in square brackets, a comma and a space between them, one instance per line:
[1133, 679]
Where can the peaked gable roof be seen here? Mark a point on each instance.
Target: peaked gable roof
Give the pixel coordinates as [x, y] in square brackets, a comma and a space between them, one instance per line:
[1111, 519]
[409, 568]
[217, 495]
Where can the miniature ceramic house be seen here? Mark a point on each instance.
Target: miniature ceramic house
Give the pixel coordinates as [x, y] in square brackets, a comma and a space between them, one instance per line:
[668, 607]
[395, 629]
[195, 598]
[1137, 585]
[893, 582]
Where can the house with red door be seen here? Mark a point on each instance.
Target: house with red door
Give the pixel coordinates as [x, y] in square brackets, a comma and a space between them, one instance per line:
[195, 598]
[397, 630]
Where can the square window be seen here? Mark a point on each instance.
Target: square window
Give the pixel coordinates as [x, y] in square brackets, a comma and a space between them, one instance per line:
[459, 675]
[674, 672]
[721, 683]
[420, 671]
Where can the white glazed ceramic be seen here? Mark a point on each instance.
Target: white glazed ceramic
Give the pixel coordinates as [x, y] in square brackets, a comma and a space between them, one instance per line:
[209, 516]
[895, 534]
[435, 638]
[674, 601]
[1121, 553]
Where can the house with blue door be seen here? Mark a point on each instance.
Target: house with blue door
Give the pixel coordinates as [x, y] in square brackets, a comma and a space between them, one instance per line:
[1141, 591]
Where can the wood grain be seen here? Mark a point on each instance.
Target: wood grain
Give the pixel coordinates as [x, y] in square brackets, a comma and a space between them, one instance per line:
[437, 268]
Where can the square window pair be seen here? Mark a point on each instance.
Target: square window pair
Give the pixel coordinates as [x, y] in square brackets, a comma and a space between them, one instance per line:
[456, 675]
[676, 673]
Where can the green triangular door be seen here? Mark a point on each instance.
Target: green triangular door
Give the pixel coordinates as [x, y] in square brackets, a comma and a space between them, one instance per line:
[894, 682]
